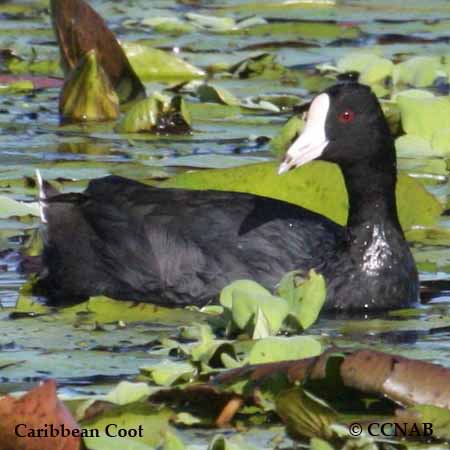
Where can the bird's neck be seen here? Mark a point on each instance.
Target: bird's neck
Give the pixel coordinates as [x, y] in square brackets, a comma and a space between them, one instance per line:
[371, 192]
[373, 228]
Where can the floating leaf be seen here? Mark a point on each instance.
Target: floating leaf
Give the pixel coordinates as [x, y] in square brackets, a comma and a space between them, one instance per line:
[157, 114]
[10, 207]
[213, 94]
[290, 130]
[371, 67]
[263, 65]
[305, 296]
[317, 186]
[319, 444]
[418, 417]
[167, 372]
[278, 348]
[126, 392]
[87, 94]
[16, 87]
[424, 116]
[153, 64]
[169, 25]
[244, 286]
[104, 310]
[412, 146]
[212, 23]
[147, 424]
[419, 71]
[305, 414]
[249, 303]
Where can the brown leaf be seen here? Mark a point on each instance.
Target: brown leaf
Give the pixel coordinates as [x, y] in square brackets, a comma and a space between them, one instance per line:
[403, 380]
[38, 409]
[406, 381]
[80, 29]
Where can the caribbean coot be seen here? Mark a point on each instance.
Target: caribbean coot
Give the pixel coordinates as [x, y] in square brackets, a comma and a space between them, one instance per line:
[176, 247]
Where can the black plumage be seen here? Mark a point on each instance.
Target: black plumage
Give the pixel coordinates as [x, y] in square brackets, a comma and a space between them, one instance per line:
[176, 247]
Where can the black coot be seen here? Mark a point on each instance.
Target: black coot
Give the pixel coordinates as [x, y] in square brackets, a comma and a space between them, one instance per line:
[177, 247]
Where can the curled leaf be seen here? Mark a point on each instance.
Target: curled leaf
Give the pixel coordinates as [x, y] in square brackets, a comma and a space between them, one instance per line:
[157, 114]
[79, 29]
[87, 94]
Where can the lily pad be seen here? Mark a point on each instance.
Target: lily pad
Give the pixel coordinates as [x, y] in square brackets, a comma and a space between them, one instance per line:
[419, 71]
[305, 296]
[247, 299]
[371, 67]
[153, 64]
[318, 186]
[422, 116]
[157, 114]
[278, 348]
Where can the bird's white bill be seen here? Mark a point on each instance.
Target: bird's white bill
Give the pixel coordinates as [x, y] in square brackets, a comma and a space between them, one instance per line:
[313, 140]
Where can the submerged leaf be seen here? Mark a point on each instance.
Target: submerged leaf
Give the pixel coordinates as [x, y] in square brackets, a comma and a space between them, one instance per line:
[87, 94]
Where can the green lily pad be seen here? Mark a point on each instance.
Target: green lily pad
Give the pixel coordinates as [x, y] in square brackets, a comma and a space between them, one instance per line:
[126, 392]
[153, 64]
[167, 373]
[305, 296]
[263, 65]
[169, 25]
[247, 298]
[212, 23]
[304, 414]
[153, 423]
[438, 418]
[17, 87]
[281, 141]
[424, 116]
[114, 443]
[10, 207]
[213, 94]
[318, 186]
[278, 348]
[419, 71]
[158, 113]
[234, 443]
[371, 67]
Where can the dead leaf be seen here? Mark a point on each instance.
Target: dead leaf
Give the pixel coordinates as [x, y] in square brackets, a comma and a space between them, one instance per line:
[38, 409]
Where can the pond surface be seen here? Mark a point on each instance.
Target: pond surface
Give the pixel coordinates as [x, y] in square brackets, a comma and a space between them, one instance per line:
[302, 35]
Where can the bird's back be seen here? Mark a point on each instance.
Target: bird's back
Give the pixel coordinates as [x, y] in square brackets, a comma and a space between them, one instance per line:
[173, 246]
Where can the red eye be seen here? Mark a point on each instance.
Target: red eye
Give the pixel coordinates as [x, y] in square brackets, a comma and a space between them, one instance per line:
[346, 116]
